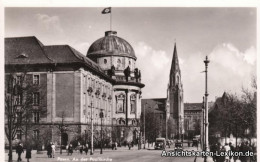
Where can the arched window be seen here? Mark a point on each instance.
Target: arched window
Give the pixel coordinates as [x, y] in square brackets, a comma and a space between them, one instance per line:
[119, 64]
[121, 121]
[133, 103]
[120, 103]
[105, 61]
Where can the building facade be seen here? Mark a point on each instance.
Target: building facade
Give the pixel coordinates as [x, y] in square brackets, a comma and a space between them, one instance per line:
[74, 89]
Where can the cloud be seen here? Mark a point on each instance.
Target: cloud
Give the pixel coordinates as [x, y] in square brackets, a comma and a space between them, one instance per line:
[229, 69]
[49, 23]
[155, 68]
[81, 46]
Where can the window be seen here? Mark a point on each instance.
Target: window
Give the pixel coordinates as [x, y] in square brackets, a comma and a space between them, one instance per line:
[118, 64]
[133, 103]
[36, 117]
[105, 61]
[19, 134]
[18, 80]
[19, 99]
[19, 117]
[120, 103]
[36, 98]
[36, 134]
[36, 79]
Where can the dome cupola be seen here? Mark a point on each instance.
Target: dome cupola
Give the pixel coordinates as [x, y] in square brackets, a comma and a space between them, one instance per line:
[110, 45]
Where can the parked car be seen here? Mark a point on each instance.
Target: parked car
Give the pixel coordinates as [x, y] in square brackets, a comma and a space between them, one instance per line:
[178, 146]
[160, 143]
[195, 143]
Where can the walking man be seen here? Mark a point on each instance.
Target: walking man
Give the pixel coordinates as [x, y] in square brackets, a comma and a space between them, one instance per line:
[19, 151]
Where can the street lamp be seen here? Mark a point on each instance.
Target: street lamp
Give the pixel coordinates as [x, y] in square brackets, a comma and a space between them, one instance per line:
[144, 123]
[206, 107]
[90, 90]
[101, 115]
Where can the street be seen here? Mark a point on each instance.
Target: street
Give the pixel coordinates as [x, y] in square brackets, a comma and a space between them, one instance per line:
[122, 154]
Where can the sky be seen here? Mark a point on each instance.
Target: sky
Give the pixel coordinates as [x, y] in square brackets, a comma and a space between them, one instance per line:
[226, 35]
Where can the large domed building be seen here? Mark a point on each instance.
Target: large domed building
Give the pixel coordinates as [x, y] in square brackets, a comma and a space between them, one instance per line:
[74, 89]
[117, 58]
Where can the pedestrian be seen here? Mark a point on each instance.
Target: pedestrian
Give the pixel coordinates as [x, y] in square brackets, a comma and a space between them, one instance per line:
[213, 149]
[49, 150]
[222, 158]
[232, 149]
[53, 150]
[86, 148]
[70, 149]
[19, 151]
[81, 149]
[115, 145]
[236, 150]
[28, 155]
[227, 148]
[132, 143]
[67, 148]
[218, 150]
[129, 145]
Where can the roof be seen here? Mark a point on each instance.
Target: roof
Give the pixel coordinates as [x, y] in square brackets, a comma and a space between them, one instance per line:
[29, 50]
[157, 104]
[25, 50]
[109, 45]
[192, 106]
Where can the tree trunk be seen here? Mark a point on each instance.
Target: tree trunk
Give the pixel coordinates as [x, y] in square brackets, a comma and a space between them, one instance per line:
[10, 154]
[60, 143]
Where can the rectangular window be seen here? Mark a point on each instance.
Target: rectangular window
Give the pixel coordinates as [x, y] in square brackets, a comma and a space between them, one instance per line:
[19, 80]
[19, 134]
[19, 99]
[36, 134]
[36, 79]
[19, 117]
[36, 117]
[36, 98]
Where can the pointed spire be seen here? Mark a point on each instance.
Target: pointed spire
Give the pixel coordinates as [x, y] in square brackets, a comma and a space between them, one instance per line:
[175, 60]
[174, 67]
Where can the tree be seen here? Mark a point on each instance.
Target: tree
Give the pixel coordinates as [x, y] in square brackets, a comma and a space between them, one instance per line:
[235, 114]
[19, 104]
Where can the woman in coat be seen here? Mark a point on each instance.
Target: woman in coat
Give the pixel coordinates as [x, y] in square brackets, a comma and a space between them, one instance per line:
[49, 150]
[28, 154]
[70, 149]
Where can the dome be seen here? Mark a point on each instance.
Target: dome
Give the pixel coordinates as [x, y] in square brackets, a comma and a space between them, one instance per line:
[110, 45]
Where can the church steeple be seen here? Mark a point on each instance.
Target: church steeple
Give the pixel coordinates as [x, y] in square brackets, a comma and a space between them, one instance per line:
[174, 67]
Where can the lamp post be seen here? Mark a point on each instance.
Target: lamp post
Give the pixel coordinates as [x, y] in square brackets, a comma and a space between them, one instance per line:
[206, 107]
[101, 115]
[144, 123]
[203, 125]
[90, 90]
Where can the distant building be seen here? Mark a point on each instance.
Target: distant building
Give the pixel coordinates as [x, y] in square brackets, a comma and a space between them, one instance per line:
[172, 106]
[175, 92]
[156, 107]
[193, 118]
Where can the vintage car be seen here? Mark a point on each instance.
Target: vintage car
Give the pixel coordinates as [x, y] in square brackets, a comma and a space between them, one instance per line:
[160, 143]
[178, 146]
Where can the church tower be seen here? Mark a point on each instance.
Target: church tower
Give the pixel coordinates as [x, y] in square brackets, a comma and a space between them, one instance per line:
[175, 95]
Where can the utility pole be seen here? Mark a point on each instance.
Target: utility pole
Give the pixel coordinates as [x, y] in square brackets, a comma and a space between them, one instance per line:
[144, 123]
[206, 108]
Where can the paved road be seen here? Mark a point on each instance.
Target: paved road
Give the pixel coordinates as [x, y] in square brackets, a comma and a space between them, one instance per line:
[120, 155]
